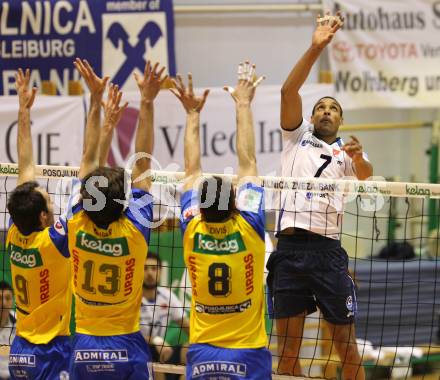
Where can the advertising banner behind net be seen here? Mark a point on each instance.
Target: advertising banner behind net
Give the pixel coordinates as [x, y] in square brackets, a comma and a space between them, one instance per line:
[58, 124]
[115, 36]
[387, 54]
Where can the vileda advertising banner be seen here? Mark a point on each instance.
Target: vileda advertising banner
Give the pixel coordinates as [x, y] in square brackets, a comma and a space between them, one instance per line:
[116, 37]
[387, 54]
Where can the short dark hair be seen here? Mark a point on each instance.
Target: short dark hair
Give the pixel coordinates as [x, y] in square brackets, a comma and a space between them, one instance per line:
[153, 255]
[5, 286]
[328, 97]
[216, 211]
[112, 210]
[25, 205]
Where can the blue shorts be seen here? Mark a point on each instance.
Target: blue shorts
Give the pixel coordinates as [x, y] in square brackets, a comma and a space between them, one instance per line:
[206, 362]
[306, 272]
[40, 361]
[119, 357]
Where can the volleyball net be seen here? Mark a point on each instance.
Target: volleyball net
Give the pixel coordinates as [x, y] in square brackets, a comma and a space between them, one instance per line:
[389, 230]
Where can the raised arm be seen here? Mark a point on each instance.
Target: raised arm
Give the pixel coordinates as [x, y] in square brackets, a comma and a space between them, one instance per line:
[149, 86]
[112, 115]
[362, 167]
[243, 95]
[96, 85]
[193, 105]
[26, 97]
[291, 103]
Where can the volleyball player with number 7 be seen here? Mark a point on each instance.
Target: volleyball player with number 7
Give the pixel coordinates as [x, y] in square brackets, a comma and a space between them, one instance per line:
[309, 269]
[223, 244]
[40, 272]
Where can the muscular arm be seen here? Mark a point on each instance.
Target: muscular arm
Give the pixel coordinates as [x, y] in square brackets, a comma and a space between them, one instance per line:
[26, 97]
[243, 94]
[291, 103]
[363, 169]
[112, 115]
[149, 86]
[193, 105]
[96, 85]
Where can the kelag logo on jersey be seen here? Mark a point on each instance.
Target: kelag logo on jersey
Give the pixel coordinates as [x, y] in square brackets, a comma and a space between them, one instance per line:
[25, 258]
[209, 244]
[108, 247]
[115, 36]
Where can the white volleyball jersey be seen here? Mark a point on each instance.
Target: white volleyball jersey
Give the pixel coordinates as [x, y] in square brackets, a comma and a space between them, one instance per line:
[306, 156]
[158, 314]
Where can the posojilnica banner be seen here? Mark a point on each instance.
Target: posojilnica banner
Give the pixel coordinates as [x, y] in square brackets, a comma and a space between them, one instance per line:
[116, 37]
[387, 54]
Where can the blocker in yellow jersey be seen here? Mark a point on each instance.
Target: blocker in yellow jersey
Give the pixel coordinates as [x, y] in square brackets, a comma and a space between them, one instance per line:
[226, 265]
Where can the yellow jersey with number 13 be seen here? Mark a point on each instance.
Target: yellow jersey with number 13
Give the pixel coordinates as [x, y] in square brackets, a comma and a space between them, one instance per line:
[225, 262]
[108, 268]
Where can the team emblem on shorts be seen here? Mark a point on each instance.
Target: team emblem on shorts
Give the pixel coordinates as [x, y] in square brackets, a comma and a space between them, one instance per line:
[349, 304]
[64, 375]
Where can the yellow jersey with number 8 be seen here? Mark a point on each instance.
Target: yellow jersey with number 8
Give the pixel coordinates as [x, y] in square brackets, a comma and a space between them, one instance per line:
[40, 279]
[225, 262]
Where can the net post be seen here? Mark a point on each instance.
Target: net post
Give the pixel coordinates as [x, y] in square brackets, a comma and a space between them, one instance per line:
[433, 174]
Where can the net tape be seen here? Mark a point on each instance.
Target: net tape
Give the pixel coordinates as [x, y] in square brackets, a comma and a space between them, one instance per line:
[347, 186]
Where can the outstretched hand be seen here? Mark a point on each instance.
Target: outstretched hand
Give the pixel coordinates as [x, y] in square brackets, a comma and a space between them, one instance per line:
[95, 84]
[353, 149]
[112, 109]
[186, 95]
[150, 84]
[247, 83]
[26, 97]
[326, 28]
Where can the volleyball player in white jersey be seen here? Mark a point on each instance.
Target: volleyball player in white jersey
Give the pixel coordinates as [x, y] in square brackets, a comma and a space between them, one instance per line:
[310, 268]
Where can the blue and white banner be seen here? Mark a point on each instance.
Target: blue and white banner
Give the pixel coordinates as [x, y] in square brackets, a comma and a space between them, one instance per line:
[115, 36]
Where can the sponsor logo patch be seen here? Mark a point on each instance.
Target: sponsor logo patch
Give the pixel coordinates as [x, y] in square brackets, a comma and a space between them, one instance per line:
[232, 243]
[109, 247]
[84, 356]
[22, 360]
[25, 258]
[218, 368]
[249, 200]
[223, 309]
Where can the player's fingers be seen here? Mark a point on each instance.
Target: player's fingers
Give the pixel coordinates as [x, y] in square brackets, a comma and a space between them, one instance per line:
[229, 89]
[180, 81]
[354, 138]
[258, 81]
[118, 97]
[88, 67]
[147, 69]
[176, 93]
[240, 72]
[159, 74]
[205, 96]
[190, 84]
[136, 78]
[105, 80]
[153, 73]
[27, 76]
[32, 97]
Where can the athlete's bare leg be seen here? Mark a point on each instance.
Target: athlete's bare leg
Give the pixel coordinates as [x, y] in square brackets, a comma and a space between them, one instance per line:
[290, 333]
[344, 339]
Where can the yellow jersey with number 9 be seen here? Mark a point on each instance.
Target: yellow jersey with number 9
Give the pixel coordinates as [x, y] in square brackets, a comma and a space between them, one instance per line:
[225, 262]
[40, 279]
[108, 268]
